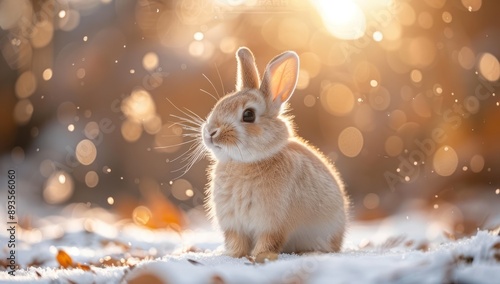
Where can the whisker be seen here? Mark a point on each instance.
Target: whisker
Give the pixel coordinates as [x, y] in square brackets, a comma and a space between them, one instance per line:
[192, 123]
[206, 92]
[196, 116]
[175, 145]
[189, 128]
[195, 128]
[220, 79]
[218, 96]
[191, 135]
[182, 135]
[199, 153]
[188, 150]
[193, 148]
[185, 119]
[183, 112]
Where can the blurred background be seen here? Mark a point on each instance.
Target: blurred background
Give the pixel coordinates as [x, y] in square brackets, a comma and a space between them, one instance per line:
[400, 94]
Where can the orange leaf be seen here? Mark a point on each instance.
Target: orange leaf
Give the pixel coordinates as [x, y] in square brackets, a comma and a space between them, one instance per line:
[64, 259]
[83, 267]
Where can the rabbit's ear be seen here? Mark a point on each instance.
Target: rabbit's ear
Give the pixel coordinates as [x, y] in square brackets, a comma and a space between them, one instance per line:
[247, 76]
[280, 78]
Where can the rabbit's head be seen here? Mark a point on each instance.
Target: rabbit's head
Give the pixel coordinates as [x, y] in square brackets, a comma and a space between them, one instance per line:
[248, 125]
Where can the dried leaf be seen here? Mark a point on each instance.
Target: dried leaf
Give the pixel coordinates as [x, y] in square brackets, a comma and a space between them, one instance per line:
[409, 243]
[64, 259]
[466, 259]
[109, 261]
[450, 236]
[124, 246]
[217, 279]
[193, 249]
[4, 263]
[496, 246]
[83, 267]
[497, 257]
[265, 257]
[424, 246]
[194, 262]
[36, 263]
[149, 278]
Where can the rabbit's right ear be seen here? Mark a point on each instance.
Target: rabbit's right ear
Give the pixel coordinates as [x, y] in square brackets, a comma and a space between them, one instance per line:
[247, 76]
[279, 79]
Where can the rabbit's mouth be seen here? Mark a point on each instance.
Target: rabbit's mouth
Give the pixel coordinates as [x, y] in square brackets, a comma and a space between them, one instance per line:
[209, 143]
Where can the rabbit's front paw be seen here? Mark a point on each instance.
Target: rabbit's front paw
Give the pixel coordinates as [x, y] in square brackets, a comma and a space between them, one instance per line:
[237, 245]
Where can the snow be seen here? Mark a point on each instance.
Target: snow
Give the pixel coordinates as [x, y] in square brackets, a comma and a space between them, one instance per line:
[401, 249]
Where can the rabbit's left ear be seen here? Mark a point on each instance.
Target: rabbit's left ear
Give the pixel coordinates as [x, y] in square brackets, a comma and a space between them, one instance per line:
[280, 78]
[247, 76]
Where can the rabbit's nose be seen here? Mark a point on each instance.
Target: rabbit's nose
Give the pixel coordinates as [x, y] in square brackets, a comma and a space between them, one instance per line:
[214, 133]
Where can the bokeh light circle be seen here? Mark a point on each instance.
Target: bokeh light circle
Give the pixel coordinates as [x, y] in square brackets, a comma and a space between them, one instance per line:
[337, 99]
[445, 161]
[350, 141]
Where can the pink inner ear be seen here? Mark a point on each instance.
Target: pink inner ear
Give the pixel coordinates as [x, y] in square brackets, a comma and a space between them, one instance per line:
[283, 79]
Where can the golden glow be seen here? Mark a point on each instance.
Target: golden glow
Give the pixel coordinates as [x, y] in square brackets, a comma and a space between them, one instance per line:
[309, 100]
[394, 146]
[472, 5]
[25, 85]
[42, 34]
[350, 141]
[150, 61]
[91, 179]
[466, 58]
[397, 118]
[139, 105]
[303, 80]
[477, 163]
[371, 201]
[180, 189]
[58, 188]
[379, 98]
[377, 36]
[141, 215]
[131, 130]
[416, 76]
[86, 152]
[421, 106]
[338, 99]
[91, 130]
[311, 62]
[489, 67]
[23, 111]
[344, 19]
[168, 139]
[445, 161]
[47, 74]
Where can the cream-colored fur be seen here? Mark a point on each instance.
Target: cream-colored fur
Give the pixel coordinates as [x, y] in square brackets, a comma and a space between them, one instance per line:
[269, 190]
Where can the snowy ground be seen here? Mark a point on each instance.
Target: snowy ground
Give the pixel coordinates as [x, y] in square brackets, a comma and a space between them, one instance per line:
[407, 248]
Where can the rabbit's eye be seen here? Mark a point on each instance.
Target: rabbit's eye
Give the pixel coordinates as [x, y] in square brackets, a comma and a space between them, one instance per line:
[249, 115]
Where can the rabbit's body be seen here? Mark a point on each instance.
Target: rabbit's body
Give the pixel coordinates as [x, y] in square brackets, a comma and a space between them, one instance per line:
[313, 218]
[269, 190]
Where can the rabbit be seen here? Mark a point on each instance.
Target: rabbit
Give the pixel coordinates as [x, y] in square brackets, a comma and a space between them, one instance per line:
[269, 190]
